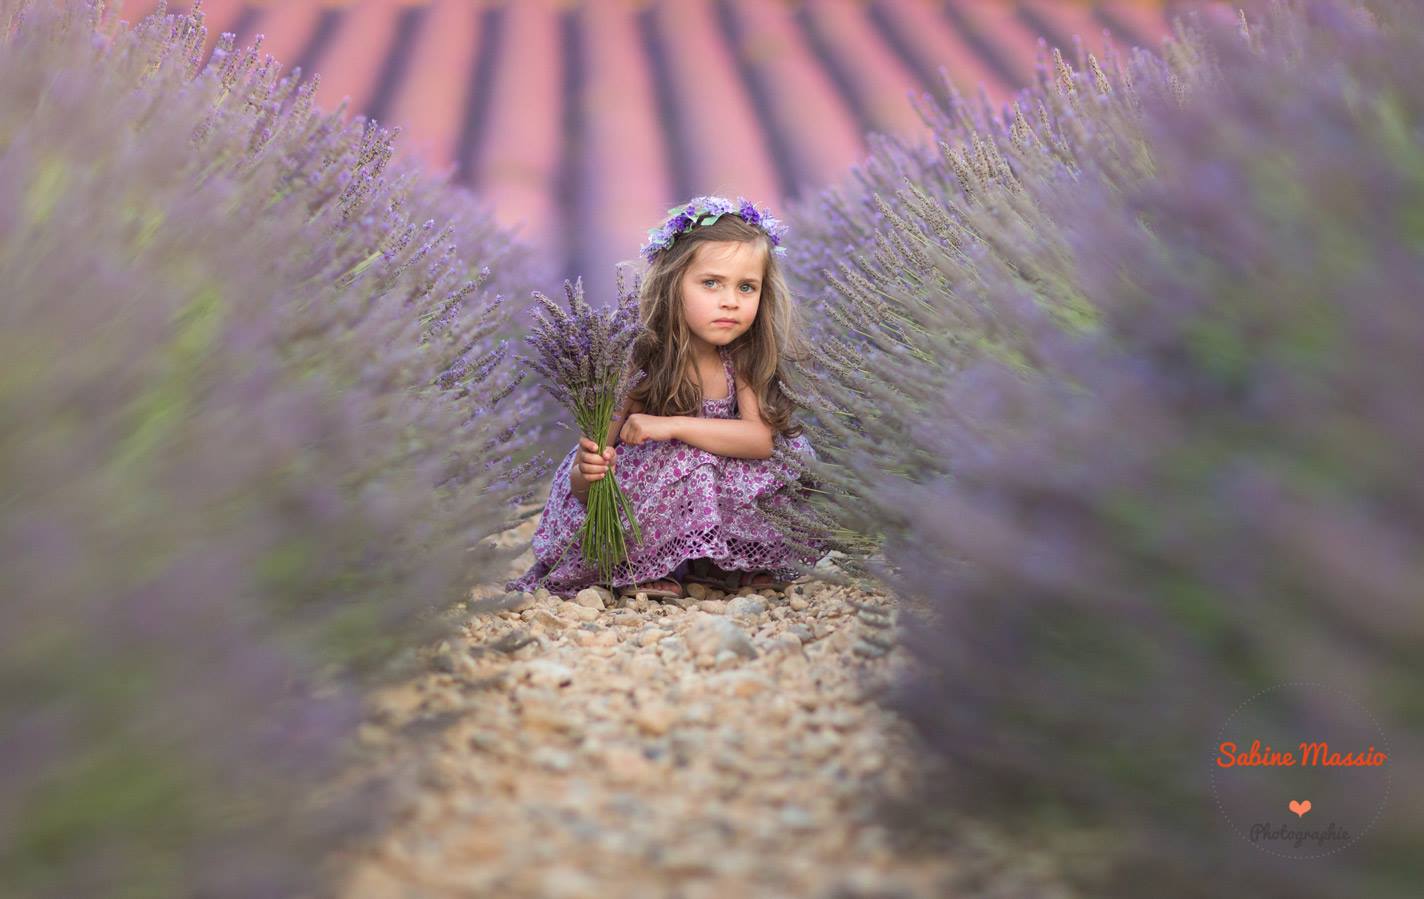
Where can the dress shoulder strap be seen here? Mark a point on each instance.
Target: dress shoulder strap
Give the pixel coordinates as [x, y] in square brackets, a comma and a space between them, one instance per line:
[730, 371]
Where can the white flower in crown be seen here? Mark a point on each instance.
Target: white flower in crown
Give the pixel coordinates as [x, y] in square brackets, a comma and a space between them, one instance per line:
[701, 211]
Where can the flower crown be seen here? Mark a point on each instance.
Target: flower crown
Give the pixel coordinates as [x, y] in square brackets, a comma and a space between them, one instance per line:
[705, 211]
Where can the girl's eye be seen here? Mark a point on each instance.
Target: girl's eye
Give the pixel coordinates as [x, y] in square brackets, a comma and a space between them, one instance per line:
[750, 287]
[709, 280]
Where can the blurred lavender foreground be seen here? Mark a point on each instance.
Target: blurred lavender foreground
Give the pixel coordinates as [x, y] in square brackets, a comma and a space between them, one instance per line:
[1151, 350]
[256, 426]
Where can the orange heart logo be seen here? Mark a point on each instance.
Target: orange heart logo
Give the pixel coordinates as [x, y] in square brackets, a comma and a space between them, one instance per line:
[1300, 808]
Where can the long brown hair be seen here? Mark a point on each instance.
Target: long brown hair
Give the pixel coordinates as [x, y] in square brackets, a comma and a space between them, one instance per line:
[759, 356]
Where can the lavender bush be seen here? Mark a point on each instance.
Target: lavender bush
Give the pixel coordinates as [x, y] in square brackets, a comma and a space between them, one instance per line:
[916, 222]
[1149, 346]
[258, 425]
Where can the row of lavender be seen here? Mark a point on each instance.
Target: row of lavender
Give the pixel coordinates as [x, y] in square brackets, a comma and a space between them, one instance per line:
[1150, 347]
[258, 420]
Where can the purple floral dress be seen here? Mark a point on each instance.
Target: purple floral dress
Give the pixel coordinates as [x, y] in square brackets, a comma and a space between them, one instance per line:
[690, 504]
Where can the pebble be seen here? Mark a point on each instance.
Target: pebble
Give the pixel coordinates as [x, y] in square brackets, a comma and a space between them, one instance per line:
[710, 636]
[545, 618]
[596, 638]
[546, 673]
[672, 646]
[593, 598]
[739, 683]
[745, 607]
[801, 632]
[627, 765]
[655, 719]
[578, 612]
[645, 667]
[796, 818]
[552, 759]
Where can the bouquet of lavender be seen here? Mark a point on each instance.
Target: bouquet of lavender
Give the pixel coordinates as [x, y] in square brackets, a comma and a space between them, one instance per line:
[584, 357]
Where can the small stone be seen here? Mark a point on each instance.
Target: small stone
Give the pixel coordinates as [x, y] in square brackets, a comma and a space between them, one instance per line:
[568, 883]
[655, 718]
[687, 861]
[796, 818]
[592, 598]
[644, 667]
[672, 645]
[710, 635]
[739, 683]
[485, 742]
[801, 632]
[544, 673]
[725, 659]
[697, 591]
[712, 606]
[596, 638]
[745, 607]
[785, 642]
[578, 612]
[798, 604]
[792, 662]
[626, 765]
[443, 661]
[553, 759]
[539, 717]
[548, 619]
[698, 713]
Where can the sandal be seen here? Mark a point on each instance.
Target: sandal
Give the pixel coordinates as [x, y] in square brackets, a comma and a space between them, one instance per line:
[704, 572]
[629, 591]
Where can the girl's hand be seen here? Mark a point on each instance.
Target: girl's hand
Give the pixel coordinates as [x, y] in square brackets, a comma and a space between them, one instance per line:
[641, 426]
[590, 464]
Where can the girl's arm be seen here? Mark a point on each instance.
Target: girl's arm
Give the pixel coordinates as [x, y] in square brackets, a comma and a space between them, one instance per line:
[749, 437]
[741, 439]
[629, 407]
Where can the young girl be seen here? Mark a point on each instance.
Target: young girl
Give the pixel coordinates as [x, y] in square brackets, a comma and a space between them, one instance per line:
[697, 433]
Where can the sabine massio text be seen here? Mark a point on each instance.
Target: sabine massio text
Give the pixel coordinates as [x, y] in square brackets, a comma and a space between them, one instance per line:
[1310, 754]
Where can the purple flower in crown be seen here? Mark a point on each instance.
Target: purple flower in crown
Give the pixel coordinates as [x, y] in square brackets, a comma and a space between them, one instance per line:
[705, 211]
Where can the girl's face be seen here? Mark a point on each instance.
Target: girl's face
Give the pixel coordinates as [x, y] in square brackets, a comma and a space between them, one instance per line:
[721, 290]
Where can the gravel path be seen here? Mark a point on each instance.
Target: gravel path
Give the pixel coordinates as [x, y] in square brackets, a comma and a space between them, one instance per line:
[627, 749]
